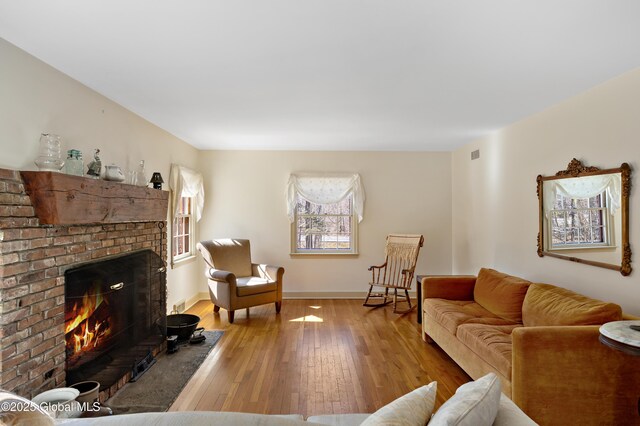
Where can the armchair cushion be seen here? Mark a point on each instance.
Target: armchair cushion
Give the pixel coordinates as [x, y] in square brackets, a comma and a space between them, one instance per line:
[231, 255]
[247, 286]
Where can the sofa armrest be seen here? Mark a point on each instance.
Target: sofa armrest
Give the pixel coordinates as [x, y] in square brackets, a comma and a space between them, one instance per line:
[452, 287]
[562, 373]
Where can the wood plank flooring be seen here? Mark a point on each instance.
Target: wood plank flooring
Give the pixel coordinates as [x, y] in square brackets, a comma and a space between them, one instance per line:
[315, 357]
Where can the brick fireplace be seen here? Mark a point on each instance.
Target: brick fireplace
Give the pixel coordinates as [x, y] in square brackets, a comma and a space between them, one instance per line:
[33, 262]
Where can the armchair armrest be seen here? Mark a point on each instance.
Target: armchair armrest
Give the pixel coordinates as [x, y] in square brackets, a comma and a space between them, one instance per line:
[270, 272]
[220, 276]
[561, 373]
[451, 287]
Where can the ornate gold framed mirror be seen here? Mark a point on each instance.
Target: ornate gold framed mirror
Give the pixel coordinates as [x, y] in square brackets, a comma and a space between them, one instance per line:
[584, 216]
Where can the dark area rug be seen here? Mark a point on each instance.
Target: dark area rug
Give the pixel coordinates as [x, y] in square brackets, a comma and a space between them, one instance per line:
[160, 386]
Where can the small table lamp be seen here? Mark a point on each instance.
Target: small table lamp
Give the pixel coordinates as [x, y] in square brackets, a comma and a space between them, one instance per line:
[156, 180]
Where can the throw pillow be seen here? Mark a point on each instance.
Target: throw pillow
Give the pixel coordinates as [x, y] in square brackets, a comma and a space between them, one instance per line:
[414, 408]
[501, 294]
[19, 411]
[474, 404]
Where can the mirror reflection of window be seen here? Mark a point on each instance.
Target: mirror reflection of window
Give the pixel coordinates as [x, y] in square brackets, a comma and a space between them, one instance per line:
[582, 212]
[580, 222]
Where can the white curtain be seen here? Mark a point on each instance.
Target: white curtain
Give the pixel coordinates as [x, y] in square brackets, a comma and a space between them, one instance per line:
[584, 187]
[185, 182]
[326, 188]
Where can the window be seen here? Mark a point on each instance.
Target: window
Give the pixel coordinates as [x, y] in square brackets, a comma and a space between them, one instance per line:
[324, 228]
[187, 204]
[182, 240]
[580, 222]
[324, 211]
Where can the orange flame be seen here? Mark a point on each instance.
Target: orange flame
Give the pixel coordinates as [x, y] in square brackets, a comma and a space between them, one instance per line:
[86, 335]
[88, 306]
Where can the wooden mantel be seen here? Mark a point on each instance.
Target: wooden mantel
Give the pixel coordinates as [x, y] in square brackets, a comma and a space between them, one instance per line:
[60, 199]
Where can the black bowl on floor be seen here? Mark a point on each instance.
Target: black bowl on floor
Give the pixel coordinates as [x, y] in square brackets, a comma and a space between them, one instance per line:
[182, 325]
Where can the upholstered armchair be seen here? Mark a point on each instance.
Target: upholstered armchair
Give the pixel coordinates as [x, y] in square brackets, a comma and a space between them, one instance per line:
[235, 282]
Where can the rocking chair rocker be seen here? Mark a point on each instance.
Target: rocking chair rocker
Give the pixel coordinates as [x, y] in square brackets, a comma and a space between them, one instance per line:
[401, 255]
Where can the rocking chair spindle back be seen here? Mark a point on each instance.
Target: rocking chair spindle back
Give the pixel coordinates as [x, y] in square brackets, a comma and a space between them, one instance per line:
[401, 256]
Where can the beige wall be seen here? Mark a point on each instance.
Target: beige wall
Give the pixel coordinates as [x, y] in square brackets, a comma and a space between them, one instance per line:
[36, 98]
[495, 208]
[405, 192]
[488, 205]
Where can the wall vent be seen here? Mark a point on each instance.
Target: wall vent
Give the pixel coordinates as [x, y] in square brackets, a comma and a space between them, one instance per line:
[475, 154]
[178, 308]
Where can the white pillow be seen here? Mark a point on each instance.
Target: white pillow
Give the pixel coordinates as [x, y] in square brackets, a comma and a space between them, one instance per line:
[414, 408]
[474, 404]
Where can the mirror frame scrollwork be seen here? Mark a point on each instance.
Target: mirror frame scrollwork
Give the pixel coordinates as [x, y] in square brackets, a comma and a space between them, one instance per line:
[577, 169]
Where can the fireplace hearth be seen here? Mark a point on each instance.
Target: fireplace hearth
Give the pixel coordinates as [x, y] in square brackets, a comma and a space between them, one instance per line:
[114, 316]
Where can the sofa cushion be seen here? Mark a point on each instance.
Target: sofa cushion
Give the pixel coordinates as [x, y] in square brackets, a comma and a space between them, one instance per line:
[190, 418]
[414, 408]
[247, 286]
[500, 293]
[451, 313]
[509, 414]
[546, 304]
[473, 404]
[492, 343]
[338, 419]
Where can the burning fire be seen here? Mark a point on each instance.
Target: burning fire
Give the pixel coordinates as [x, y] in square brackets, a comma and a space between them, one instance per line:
[87, 330]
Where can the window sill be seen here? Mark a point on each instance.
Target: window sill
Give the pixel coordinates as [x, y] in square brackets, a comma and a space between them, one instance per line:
[581, 248]
[350, 254]
[182, 261]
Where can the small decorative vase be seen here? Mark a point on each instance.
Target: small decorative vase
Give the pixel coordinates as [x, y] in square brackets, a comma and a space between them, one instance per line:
[49, 154]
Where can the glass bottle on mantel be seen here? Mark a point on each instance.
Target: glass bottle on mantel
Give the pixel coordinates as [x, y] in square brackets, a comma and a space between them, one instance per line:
[49, 153]
[74, 164]
[139, 177]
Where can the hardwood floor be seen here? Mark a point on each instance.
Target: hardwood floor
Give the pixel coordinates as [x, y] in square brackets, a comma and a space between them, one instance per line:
[315, 357]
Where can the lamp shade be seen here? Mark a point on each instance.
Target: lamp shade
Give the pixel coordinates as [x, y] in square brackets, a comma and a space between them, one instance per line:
[156, 180]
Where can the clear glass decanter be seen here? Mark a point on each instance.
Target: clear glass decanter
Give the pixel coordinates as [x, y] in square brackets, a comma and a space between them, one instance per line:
[50, 153]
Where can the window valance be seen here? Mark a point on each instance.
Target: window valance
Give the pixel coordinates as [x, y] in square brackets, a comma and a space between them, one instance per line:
[325, 189]
[584, 187]
[185, 182]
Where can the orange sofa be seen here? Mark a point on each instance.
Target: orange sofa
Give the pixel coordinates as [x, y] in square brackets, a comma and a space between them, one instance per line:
[541, 340]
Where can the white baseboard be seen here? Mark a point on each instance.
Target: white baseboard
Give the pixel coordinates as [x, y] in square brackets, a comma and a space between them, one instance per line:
[329, 295]
[203, 295]
[301, 295]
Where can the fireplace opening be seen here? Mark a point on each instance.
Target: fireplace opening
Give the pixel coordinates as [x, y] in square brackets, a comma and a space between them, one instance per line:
[115, 314]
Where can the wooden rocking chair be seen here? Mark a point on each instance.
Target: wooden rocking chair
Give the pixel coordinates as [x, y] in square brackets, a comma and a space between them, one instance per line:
[401, 255]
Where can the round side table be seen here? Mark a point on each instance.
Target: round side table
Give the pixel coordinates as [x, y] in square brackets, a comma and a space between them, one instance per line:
[618, 335]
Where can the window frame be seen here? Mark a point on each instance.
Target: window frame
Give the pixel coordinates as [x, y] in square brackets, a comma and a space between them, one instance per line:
[191, 232]
[353, 251]
[606, 225]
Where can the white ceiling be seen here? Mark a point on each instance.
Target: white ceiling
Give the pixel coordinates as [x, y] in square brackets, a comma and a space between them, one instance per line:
[331, 74]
